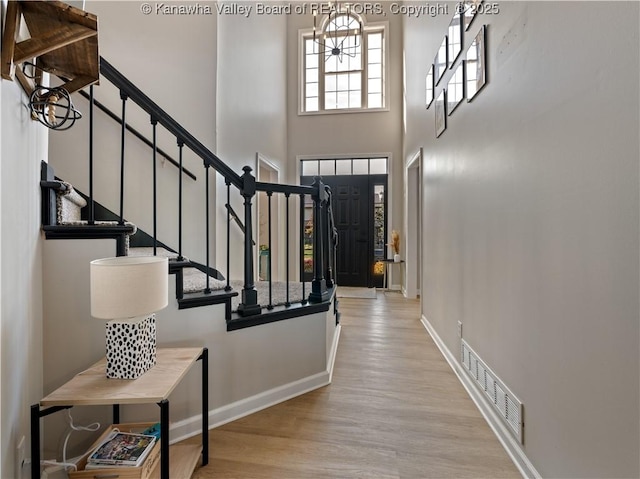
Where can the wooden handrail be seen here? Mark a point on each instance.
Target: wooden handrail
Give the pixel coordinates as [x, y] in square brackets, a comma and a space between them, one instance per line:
[175, 128]
[247, 187]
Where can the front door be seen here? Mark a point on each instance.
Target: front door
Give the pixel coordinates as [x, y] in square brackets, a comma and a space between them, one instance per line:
[351, 216]
[354, 208]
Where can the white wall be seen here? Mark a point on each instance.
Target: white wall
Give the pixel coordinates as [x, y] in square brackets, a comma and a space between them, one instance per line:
[251, 113]
[249, 369]
[2, 443]
[531, 223]
[172, 59]
[23, 147]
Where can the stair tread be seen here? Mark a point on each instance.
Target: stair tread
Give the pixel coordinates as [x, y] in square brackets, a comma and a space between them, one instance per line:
[199, 298]
[97, 227]
[195, 280]
[148, 251]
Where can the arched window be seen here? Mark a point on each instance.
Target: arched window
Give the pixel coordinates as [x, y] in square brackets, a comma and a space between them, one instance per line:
[343, 65]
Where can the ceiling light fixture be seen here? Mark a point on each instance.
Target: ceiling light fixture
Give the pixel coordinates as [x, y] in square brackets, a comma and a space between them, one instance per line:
[340, 32]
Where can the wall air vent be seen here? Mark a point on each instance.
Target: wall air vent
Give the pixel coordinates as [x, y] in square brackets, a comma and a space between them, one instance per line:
[505, 403]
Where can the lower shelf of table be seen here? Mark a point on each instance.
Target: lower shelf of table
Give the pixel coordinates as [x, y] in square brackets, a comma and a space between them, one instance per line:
[183, 460]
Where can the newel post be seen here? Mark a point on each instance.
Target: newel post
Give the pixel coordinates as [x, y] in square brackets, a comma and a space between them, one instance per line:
[249, 304]
[319, 291]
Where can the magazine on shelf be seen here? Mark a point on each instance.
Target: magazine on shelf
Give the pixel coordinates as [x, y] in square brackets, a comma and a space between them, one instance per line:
[121, 449]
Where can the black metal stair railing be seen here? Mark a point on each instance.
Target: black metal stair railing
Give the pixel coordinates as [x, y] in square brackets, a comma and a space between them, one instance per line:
[247, 188]
[133, 131]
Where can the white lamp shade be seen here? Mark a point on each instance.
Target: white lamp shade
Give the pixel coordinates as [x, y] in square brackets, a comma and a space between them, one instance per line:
[127, 287]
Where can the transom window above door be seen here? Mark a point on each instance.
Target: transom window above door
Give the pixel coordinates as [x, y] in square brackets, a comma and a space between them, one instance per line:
[344, 166]
[343, 65]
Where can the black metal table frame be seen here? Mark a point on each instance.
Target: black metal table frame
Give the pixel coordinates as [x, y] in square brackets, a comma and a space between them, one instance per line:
[387, 276]
[37, 414]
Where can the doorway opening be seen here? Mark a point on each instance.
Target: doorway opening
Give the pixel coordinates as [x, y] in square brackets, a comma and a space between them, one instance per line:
[267, 172]
[413, 225]
[360, 210]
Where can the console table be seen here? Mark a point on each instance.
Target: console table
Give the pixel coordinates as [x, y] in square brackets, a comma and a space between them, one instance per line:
[387, 264]
[92, 388]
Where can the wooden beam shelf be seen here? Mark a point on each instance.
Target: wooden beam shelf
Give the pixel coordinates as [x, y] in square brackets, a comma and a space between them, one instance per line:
[63, 40]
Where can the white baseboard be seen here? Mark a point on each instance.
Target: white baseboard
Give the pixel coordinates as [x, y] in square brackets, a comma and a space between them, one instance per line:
[509, 443]
[332, 353]
[230, 412]
[409, 295]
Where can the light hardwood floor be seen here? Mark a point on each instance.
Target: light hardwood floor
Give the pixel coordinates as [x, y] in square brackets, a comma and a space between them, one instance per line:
[394, 410]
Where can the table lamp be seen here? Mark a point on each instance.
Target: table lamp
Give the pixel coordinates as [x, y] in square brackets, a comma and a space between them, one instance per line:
[127, 291]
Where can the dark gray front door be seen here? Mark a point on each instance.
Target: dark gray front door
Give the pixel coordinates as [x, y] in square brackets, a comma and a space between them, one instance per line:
[353, 213]
[351, 216]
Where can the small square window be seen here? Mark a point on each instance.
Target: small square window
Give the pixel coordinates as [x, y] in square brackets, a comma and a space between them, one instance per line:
[330, 101]
[375, 40]
[312, 75]
[355, 99]
[343, 83]
[378, 166]
[311, 104]
[327, 167]
[375, 55]
[343, 99]
[312, 90]
[374, 100]
[375, 71]
[309, 167]
[361, 167]
[330, 83]
[343, 167]
[309, 46]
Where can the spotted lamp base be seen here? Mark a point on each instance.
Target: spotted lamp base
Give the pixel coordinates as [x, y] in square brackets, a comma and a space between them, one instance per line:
[131, 347]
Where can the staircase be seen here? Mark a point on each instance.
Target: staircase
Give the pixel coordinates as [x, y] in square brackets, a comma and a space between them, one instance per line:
[284, 347]
[70, 214]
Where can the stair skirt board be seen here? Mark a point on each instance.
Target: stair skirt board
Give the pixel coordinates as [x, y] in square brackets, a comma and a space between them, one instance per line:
[192, 426]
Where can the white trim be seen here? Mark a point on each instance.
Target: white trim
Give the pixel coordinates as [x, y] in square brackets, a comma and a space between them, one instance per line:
[411, 201]
[192, 426]
[510, 445]
[278, 230]
[389, 213]
[344, 110]
[338, 156]
[334, 349]
[343, 11]
[260, 158]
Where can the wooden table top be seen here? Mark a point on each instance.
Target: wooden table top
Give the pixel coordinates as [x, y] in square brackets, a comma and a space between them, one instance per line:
[92, 387]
